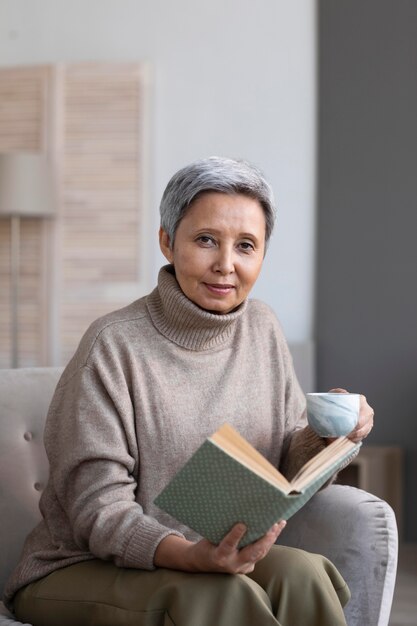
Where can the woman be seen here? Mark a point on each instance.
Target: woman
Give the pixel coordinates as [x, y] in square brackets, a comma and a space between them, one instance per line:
[146, 386]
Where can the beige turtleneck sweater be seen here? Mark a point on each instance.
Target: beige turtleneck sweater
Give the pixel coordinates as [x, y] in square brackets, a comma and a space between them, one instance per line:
[146, 386]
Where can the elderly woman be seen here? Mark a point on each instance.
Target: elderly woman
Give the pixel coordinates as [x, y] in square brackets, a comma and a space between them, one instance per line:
[146, 386]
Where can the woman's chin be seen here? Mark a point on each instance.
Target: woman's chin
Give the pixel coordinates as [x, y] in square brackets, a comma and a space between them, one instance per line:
[216, 307]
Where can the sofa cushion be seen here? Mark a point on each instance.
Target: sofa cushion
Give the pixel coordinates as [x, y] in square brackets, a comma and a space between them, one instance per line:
[25, 396]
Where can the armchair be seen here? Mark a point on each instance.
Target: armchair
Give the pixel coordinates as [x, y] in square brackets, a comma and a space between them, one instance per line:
[354, 529]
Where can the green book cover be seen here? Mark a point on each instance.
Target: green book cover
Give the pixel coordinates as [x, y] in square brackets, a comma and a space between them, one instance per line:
[214, 491]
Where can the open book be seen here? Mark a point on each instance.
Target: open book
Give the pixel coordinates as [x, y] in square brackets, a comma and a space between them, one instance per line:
[227, 481]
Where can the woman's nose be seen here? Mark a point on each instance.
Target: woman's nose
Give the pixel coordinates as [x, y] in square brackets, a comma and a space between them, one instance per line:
[224, 261]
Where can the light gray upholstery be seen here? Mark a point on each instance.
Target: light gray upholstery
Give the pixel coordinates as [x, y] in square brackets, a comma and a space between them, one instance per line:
[25, 395]
[355, 530]
[358, 533]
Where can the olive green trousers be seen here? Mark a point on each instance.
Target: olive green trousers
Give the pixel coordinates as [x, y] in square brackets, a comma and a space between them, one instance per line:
[289, 587]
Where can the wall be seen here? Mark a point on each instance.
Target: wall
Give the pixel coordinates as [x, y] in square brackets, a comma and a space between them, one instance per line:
[367, 216]
[229, 77]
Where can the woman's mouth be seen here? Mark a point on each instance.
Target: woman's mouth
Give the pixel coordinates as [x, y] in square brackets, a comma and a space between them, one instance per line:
[219, 289]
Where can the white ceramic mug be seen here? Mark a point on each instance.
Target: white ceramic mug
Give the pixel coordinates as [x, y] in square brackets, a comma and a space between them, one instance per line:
[333, 414]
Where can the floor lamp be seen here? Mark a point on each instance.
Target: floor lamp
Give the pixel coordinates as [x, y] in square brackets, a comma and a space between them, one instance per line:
[26, 190]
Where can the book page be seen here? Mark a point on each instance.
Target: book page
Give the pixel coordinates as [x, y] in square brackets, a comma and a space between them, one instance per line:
[234, 444]
[326, 457]
[231, 442]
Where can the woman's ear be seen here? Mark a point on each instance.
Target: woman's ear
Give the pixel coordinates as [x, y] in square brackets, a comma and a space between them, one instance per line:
[164, 244]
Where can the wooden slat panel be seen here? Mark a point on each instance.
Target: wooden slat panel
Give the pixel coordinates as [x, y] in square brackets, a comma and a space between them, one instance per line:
[5, 337]
[100, 212]
[30, 293]
[22, 109]
[23, 94]
[88, 119]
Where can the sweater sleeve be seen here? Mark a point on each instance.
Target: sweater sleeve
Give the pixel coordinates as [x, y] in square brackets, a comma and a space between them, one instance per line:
[91, 444]
[301, 443]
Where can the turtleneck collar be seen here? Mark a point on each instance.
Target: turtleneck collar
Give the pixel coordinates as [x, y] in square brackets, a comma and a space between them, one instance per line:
[182, 321]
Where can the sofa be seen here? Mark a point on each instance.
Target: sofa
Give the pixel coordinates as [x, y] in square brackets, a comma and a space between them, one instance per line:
[354, 529]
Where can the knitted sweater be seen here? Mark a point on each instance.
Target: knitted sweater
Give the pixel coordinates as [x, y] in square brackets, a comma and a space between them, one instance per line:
[146, 386]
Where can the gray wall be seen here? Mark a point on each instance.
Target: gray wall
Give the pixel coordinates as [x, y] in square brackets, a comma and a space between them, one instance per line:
[234, 78]
[366, 307]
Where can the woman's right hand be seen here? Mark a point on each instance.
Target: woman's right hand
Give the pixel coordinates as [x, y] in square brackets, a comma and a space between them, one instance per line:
[178, 553]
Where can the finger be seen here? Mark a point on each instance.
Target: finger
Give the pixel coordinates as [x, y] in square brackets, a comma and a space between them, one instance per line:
[365, 408]
[258, 549]
[273, 533]
[358, 437]
[366, 420]
[278, 528]
[364, 429]
[231, 541]
[252, 554]
[361, 431]
[338, 390]
[366, 414]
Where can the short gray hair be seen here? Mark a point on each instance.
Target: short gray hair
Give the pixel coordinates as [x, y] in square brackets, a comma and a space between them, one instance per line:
[219, 174]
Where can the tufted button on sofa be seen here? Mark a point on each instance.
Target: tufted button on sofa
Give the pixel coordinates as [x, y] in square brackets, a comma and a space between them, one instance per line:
[354, 529]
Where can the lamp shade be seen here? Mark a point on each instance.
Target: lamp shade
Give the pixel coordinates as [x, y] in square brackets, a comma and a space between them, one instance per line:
[26, 185]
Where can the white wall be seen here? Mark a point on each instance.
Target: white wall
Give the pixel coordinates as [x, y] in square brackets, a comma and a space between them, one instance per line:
[229, 77]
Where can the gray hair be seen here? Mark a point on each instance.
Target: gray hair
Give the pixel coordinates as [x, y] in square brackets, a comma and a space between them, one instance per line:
[214, 174]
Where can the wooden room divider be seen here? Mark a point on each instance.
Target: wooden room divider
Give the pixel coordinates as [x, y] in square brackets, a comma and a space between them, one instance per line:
[90, 120]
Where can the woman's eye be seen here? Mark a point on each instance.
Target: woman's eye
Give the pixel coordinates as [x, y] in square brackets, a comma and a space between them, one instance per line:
[205, 240]
[247, 246]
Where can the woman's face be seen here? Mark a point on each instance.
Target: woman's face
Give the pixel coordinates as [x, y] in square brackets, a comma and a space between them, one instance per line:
[218, 250]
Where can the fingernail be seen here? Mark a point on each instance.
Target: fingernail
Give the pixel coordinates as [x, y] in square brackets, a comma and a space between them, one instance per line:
[277, 526]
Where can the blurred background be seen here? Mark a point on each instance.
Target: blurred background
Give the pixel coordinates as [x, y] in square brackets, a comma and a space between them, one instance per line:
[116, 95]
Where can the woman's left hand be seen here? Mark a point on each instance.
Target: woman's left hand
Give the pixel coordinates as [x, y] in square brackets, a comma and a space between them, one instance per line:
[366, 418]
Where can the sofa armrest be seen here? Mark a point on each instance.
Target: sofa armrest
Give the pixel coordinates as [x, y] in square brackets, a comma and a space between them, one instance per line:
[358, 533]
